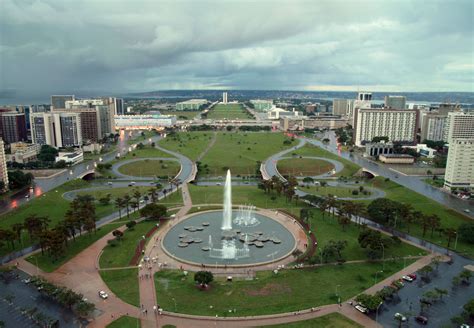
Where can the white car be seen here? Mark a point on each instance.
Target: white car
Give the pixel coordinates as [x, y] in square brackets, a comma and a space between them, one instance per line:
[360, 308]
[400, 317]
[407, 278]
[103, 295]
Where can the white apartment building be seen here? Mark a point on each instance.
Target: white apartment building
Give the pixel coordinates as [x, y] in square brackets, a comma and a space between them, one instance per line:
[3, 167]
[459, 125]
[343, 107]
[140, 122]
[460, 164]
[397, 125]
[57, 129]
[432, 126]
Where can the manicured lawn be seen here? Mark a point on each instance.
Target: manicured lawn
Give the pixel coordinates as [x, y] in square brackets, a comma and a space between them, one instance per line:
[240, 195]
[438, 183]
[449, 218]
[183, 114]
[332, 320]
[45, 263]
[303, 167]
[310, 150]
[115, 192]
[289, 290]
[144, 153]
[229, 112]
[174, 199]
[137, 138]
[151, 168]
[120, 255]
[190, 144]
[241, 152]
[125, 322]
[332, 190]
[124, 284]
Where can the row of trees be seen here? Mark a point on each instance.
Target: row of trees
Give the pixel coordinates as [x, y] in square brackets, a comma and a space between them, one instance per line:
[286, 188]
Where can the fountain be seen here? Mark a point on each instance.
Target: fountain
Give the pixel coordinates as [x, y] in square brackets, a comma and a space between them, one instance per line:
[245, 217]
[227, 217]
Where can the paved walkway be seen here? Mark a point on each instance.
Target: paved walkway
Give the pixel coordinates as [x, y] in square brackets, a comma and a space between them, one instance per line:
[209, 146]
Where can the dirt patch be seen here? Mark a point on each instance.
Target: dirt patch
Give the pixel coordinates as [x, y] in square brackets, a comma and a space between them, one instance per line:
[270, 289]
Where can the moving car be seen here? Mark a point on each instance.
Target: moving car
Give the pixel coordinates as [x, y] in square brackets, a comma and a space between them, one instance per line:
[421, 319]
[360, 308]
[407, 278]
[400, 317]
[103, 295]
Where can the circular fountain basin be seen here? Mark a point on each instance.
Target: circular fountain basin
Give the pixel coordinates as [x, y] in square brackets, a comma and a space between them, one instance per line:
[199, 253]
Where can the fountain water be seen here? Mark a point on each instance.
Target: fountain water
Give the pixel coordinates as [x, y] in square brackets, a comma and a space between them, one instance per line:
[245, 217]
[227, 217]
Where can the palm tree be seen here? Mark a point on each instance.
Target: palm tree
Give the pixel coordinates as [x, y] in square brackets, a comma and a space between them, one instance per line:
[358, 210]
[405, 211]
[425, 223]
[33, 225]
[450, 234]
[435, 223]
[119, 205]
[126, 202]
[137, 195]
[17, 228]
[146, 199]
[332, 202]
[70, 223]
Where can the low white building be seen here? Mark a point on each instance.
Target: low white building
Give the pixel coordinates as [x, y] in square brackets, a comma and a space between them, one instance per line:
[144, 122]
[423, 150]
[22, 152]
[71, 158]
[276, 113]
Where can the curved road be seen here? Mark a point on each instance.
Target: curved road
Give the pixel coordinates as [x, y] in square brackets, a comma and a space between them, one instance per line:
[338, 166]
[116, 166]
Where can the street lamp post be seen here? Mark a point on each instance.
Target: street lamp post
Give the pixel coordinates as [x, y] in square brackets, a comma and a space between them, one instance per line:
[383, 256]
[375, 278]
[456, 241]
[175, 305]
[377, 313]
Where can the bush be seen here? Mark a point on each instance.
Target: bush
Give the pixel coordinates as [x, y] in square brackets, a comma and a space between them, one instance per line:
[355, 192]
[112, 242]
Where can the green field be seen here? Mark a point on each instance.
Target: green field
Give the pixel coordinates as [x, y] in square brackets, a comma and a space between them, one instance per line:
[228, 112]
[115, 192]
[190, 144]
[303, 167]
[182, 114]
[242, 152]
[137, 138]
[287, 291]
[332, 320]
[146, 152]
[150, 168]
[125, 322]
[309, 150]
[120, 255]
[240, 195]
[334, 191]
[124, 284]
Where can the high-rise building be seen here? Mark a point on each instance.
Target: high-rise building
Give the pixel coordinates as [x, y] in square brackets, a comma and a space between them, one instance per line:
[459, 125]
[343, 107]
[363, 100]
[3, 168]
[57, 129]
[13, 127]
[432, 126]
[224, 98]
[117, 104]
[395, 102]
[460, 164]
[58, 102]
[397, 125]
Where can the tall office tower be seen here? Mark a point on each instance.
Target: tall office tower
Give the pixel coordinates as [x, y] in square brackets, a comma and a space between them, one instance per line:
[224, 98]
[343, 107]
[13, 127]
[459, 125]
[58, 102]
[397, 125]
[117, 104]
[432, 126]
[3, 168]
[460, 164]
[57, 129]
[395, 102]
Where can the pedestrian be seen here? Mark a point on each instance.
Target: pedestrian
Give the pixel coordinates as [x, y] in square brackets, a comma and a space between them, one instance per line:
[142, 306]
[146, 312]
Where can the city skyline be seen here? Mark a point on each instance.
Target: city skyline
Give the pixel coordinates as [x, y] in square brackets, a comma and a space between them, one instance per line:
[337, 46]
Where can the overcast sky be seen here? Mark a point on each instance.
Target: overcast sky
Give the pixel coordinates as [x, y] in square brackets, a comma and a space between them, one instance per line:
[52, 46]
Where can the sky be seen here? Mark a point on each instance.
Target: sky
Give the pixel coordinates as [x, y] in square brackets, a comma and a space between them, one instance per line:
[53, 46]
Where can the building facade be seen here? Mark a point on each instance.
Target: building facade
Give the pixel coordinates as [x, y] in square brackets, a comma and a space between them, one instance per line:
[432, 126]
[57, 129]
[397, 125]
[460, 164]
[395, 102]
[191, 104]
[13, 127]
[343, 107]
[296, 123]
[224, 98]
[262, 105]
[58, 102]
[22, 152]
[141, 122]
[459, 125]
[396, 159]
[3, 167]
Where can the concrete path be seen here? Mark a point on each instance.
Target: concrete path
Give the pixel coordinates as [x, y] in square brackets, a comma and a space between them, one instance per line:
[209, 146]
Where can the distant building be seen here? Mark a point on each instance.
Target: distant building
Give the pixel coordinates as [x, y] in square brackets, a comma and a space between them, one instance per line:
[276, 113]
[343, 107]
[117, 104]
[363, 100]
[22, 152]
[191, 104]
[13, 127]
[3, 167]
[224, 98]
[459, 125]
[58, 102]
[460, 164]
[57, 129]
[142, 122]
[396, 159]
[374, 149]
[298, 123]
[446, 108]
[432, 126]
[71, 158]
[397, 125]
[262, 105]
[395, 102]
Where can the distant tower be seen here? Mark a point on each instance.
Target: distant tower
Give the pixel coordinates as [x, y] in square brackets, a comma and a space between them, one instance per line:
[224, 98]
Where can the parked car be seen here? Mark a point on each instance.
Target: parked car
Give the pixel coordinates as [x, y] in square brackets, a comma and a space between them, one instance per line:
[27, 280]
[362, 309]
[421, 319]
[400, 317]
[412, 276]
[407, 278]
[103, 295]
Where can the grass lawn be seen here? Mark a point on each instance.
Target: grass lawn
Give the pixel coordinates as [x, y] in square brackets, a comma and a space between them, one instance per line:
[172, 200]
[141, 138]
[120, 255]
[438, 183]
[229, 112]
[289, 290]
[332, 320]
[124, 284]
[310, 150]
[190, 144]
[449, 218]
[303, 167]
[183, 114]
[240, 195]
[241, 152]
[115, 192]
[144, 153]
[125, 322]
[151, 168]
[332, 190]
[45, 263]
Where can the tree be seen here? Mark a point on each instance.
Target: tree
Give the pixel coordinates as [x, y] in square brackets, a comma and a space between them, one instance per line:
[203, 278]
[137, 195]
[17, 179]
[47, 154]
[465, 276]
[104, 201]
[469, 308]
[117, 234]
[441, 292]
[131, 224]
[85, 308]
[308, 180]
[435, 223]
[466, 232]
[371, 302]
[126, 203]
[119, 204]
[383, 210]
[153, 211]
[450, 234]
[425, 272]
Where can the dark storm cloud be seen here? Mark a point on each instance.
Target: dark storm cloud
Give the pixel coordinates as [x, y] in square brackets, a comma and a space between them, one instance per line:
[106, 45]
